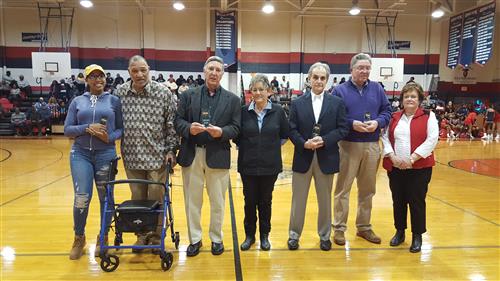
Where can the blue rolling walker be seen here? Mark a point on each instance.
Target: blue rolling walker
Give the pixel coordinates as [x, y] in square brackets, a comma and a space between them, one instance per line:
[136, 216]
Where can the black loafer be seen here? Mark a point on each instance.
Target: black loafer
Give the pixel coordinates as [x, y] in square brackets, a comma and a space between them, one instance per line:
[217, 248]
[249, 241]
[325, 245]
[193, 249]
[293, 244]
[416, 243]
[264, 242]
[398, 238]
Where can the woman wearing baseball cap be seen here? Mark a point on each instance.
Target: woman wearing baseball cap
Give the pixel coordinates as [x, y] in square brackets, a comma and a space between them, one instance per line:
[95, 121]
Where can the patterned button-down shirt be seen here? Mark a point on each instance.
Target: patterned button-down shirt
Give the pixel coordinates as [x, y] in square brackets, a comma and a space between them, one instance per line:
[148, 121]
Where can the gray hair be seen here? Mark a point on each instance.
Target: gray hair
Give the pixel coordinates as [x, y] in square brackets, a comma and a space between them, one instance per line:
[319, 65]
[358, 57]
[260, 78]
[214, 58]
[137, 58]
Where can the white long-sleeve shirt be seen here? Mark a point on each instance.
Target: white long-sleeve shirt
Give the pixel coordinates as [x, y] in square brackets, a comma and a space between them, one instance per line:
[402, 138]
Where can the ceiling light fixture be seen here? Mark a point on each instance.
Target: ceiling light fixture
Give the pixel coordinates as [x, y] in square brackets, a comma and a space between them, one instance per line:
[179, 6]
[438, 12]
[86, 3]
[268, 8]
[355, 10]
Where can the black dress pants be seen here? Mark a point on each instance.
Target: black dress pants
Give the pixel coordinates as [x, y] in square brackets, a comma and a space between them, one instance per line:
[258, 192]
[409, 187]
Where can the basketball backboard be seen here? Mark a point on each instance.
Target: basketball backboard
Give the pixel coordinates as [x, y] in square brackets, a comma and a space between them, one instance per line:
[51, 65]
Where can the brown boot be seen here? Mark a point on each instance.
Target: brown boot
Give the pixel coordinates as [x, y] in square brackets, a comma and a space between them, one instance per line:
[77, 249]
[98, 245]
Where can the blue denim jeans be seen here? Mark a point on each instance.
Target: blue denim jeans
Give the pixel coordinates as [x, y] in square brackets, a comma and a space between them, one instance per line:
[88, 166]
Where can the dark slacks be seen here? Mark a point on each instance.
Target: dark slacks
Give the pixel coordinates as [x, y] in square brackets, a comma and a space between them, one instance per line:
[258, 191]
[409, 187]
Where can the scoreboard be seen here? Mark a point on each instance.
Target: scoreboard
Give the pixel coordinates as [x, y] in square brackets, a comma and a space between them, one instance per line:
[471, 36]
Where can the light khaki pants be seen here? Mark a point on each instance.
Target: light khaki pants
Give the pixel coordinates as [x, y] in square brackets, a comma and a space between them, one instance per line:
[217, 180]
[149, 192]
[300, 191]
[358, 160]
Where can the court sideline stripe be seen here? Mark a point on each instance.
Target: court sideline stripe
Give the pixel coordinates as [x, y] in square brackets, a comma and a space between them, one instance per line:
[463, 210]
[236, 249]
[8, 156]
[34, 190]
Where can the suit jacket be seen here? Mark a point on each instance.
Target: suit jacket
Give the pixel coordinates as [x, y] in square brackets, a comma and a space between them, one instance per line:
[227, 116]
[333, 129]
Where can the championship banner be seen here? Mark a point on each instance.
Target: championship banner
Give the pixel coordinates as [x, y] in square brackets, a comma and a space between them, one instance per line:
[225, 37]
[468, 38]
[485, 32]
[454, 39]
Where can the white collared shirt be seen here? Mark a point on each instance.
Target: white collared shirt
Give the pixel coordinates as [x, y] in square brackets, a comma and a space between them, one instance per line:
[402, 138]
[317, 102]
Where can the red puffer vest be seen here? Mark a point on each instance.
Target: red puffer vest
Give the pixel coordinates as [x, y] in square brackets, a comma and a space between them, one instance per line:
[418, 134]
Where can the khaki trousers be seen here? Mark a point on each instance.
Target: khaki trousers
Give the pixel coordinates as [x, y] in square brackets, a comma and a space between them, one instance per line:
[358, 160]
[149, 192]
[194, 178]
[300, 191]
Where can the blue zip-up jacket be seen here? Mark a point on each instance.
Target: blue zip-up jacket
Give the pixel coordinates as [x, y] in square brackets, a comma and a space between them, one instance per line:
[372, 99]
[82, 112]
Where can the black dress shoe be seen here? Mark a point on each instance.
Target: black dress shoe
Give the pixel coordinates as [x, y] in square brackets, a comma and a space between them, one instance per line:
[193, 249]
[249, 240]
[398, 238]
[293, 244]
[264, 242]
[217, 248]
[325, 245]
[416, 243]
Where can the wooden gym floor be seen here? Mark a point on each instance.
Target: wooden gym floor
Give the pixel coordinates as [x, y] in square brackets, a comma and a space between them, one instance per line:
[462, 242]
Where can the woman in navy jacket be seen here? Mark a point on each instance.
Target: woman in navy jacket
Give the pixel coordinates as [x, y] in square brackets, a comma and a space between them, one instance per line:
[264, 127]
[95, 121]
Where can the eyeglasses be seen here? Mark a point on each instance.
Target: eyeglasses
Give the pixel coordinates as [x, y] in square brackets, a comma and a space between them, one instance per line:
[95, 76]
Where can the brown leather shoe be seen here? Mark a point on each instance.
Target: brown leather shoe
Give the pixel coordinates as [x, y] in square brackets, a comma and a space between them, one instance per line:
[370, 236]
[339, 238]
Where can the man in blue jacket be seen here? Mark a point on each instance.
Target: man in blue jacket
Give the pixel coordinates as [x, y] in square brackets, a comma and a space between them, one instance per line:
[368, 110]
[317, 123]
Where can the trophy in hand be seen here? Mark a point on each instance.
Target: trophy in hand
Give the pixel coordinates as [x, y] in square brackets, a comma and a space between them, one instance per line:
[205, 118]
[367, 117]
[316, 130]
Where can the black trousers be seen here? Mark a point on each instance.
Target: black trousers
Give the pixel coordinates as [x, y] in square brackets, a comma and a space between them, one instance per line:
[258, 191]
[409, 187]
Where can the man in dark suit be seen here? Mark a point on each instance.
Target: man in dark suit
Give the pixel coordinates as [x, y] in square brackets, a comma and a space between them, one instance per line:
[208, 117]
[317, 123]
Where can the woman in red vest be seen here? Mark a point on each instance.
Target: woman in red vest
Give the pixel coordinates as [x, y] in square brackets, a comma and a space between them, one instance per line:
[409, 141]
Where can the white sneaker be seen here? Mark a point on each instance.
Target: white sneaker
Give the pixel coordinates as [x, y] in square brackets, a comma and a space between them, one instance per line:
[485, 137]
[497, 138]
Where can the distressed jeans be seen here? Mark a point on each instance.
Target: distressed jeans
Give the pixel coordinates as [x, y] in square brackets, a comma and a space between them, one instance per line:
[88, 166]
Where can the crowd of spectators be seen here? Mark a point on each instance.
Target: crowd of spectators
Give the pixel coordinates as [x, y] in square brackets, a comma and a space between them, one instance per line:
[40, 115]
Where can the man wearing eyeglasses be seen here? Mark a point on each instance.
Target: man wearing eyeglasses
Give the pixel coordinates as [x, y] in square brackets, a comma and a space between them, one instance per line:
[149, 140]
[368, 110]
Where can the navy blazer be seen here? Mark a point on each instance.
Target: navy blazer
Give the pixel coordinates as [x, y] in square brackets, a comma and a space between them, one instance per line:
[333, 129]
[227, 116]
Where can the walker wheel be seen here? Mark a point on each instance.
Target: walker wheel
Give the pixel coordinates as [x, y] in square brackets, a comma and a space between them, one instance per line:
[177, 240]
[166, 261]
[110, 263]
